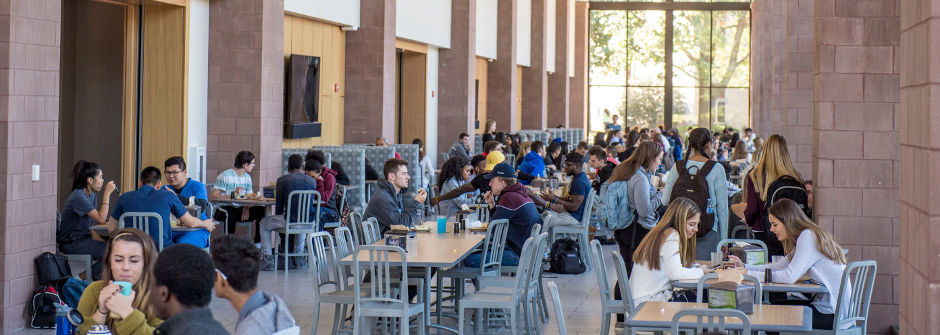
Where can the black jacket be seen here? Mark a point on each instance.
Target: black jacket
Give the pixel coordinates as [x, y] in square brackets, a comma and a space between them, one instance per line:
[194, 321]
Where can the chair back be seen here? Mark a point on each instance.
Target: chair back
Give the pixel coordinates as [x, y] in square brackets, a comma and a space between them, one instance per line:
[535, 267]
[536, 230]
[298, 208]
[758, 288]
[858, 280]
[711, 320]
[748, 233]
[324, 261]
[586, 215]
[526, 261]
[355, 224]
[493, 246]
[370, 231]
[600, 269]
[511, 158]
[727, 241]
[344, 242]
[559, 314]
[483, 211]
[141, 220]
[626, 294]
[445, 156]
[378, 261]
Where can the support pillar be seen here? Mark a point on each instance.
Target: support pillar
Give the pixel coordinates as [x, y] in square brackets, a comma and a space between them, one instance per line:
[501, 73]
[370, 74]
[559, 81]
[456, 77]
[535, 77]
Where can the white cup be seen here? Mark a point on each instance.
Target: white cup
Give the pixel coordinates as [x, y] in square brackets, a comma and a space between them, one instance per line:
[716, 258]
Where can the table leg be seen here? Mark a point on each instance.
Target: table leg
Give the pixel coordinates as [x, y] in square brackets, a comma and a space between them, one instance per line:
[427, 298]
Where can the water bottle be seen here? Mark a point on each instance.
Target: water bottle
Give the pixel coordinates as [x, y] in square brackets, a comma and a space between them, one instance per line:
[99, 330]
[67, 321]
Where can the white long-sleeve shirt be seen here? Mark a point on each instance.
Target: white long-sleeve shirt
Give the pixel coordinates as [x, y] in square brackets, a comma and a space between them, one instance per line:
[645, 283]
[807, 260]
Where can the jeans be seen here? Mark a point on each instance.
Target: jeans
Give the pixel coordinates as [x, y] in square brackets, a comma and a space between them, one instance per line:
[510, 258]
[274, 222]
[87, 247]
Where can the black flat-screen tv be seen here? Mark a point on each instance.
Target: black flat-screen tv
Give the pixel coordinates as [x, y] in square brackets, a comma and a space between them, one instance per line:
[302, 113]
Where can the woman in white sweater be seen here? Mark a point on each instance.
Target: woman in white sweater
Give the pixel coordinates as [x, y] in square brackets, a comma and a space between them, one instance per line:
[809, 250]
[667, 253]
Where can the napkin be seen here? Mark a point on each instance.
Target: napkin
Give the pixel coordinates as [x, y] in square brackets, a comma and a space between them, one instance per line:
[474, 224]
[729, 275]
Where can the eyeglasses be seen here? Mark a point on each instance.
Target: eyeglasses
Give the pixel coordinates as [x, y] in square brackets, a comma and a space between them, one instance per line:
[221, 274]
[172, 173]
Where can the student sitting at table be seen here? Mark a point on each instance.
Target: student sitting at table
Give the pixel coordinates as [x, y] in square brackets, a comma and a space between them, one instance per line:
[386, 204]
[294, 180]
[179, 182]
[455, 173]
[534, 162]
[237, 180]
[129, 258]
[514, 205]
[809, 250]
[237, 261]
[324, 176]
[150, 198]
[667, 253]
[183, 278]
[568, 210]
[478, 183]
[79, 214]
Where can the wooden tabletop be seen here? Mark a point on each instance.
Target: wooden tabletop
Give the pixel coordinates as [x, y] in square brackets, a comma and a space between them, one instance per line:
[102, 230]
[244, 202]
[777, 318]
[799, 286]
[436, 249]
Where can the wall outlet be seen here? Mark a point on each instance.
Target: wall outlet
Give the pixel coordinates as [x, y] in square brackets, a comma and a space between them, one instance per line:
[35, 172]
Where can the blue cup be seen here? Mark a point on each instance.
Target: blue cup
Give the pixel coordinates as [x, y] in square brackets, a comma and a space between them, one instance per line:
[125, 287]
[441, 224]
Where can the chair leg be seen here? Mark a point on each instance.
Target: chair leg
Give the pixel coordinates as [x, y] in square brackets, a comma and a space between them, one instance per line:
[513, 321]
[477, 320]
[339, 317]
[605, 323]
[404, 324]
[316, 320]
[542, 304]
[460, 322]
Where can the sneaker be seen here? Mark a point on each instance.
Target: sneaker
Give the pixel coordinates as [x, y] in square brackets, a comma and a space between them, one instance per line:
[267, 263]
[298, 262]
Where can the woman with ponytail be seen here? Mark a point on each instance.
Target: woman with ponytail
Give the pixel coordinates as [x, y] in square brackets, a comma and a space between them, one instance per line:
[700, 147]
[79, 213]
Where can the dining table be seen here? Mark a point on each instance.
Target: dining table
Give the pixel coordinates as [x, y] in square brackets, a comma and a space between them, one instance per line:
[267, 203]
[102, 230]
[802, 286]
[657, 316]
[433, 250]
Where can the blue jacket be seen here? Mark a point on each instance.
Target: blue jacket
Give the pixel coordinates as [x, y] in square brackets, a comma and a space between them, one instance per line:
[532, 164]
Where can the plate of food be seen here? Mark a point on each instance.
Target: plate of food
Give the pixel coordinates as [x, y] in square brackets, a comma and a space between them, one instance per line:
[421, 227]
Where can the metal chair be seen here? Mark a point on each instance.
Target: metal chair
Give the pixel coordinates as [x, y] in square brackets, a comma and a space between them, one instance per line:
[141, 220]
[608, 304]
[339, 207]
[534, 301]
[355, 224]
[748, 233]
[727, 241]
[326, 272]
[509, 302]
[858, 280]
[758, 288]
[370, 231]
[623, 280]
[559, 314]
[580, 230]
[299, 222]
[709, 320]
[445, 156]
[385, 296]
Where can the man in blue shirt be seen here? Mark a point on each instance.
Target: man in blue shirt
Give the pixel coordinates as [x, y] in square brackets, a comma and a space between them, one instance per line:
[567, 211]
[150, 198]
[178, 181]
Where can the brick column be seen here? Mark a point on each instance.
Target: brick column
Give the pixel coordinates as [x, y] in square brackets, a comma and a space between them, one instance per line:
[577, 109]
[558, 82]
[856, 139]
[535, 78]
[370, 74]
[246, 85]
[798, 86]
[501, 73]
[920, 167]
[29, 113]
[456, 76]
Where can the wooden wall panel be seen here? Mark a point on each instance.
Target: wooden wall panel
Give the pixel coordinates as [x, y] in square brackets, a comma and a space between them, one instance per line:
[129, 119]
[313, 38]
[163, 117]
[481, 97]
[413, 97]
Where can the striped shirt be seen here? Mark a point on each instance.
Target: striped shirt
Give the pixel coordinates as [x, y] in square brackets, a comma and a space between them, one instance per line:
[228, 180]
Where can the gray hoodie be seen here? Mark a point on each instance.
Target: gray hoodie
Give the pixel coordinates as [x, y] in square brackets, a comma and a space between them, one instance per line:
[459, 150]
[271, 317]
[387, 208]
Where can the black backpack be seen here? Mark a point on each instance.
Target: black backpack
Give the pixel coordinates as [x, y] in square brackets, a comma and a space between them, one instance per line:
[785, 187]
[565, 257]
[695, 188]
[52, 267]
[42, 308]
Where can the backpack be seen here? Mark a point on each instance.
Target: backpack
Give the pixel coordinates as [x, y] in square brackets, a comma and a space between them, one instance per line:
[52, 267]
[613, 201]
[42, 308]
[785, 187]
[695, 188]
[565, 257]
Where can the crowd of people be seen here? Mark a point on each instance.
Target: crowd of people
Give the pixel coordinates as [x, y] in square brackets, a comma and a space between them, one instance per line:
[647, 201]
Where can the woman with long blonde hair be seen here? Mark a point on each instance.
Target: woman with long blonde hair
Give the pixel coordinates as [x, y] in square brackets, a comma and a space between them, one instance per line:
[667, 253]
[809, 250]
[774, 163]
[129, 257]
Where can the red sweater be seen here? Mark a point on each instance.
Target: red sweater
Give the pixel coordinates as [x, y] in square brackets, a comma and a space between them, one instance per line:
[327, 185]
